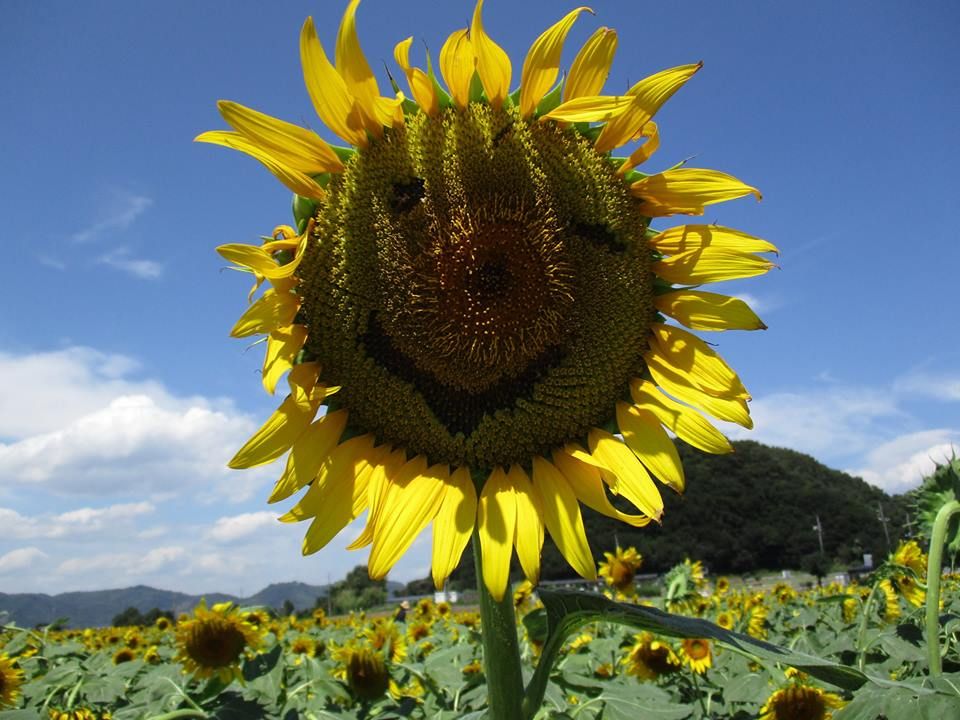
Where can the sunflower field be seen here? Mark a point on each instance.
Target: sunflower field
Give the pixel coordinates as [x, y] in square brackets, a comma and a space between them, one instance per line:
[229, 662]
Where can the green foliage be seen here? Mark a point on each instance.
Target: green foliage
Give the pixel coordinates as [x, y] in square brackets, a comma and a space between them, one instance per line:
[357, 592]
[939, 488]
[131, 616]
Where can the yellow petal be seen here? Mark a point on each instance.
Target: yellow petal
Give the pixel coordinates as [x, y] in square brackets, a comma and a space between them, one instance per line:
[708, 311]
[627, 475]
[297, 147]
[343, 465]
[294, 179]
[276, 436]
[645, 151]
[542, 64]
[686, 423]
[271, 311]
[561, 514]
[497, 519]
[303, 381]
[528, 534]
[410, 503]
[711, 265]
[453, 525]
[260, 261]
[493, 64]
[381, 475]
[420, 83]
[643, 434]
[310, 450]
[648, 96]
[283, 344]
[692, 356]
[331, 99]
[687, 191]
[457, 64]
[591, 66]
[358, 77]
[592, 108]
[586, 483]
[684, 238]
[683, 387]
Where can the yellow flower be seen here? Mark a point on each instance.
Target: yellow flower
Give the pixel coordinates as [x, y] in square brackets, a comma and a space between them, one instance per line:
[366, 673]
[214, 641]
[649, 658]
[696, 654]
[891, 602]
[722, 586]
[800, 702]
[757, 624]
[910, 555]
[124, 655]
[473, 293]
[11, 679]
[620, 568]
[726, 619]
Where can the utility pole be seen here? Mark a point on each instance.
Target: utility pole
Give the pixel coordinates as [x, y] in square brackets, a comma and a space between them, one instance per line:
[329, 598]
[819, 528]
[883, 521]
[909, 524]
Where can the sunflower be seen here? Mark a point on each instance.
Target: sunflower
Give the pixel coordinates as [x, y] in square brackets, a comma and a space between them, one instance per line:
[696, 654]
[800, 701]
[366, 673]
[908, 584]
[11, 678]
[891, 601]
[474, 294]
[620, 568]
[726, 619]
[649, 658]
[124, 655]
[214, 641]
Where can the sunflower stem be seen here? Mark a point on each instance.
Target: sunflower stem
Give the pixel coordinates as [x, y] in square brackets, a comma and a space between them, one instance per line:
[501, 651]
[934, 569]
[864, 624]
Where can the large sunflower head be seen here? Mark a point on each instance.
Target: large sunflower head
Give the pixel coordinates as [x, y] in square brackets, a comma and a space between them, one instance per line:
[11, 679]
[215, 641]
[474, 293]
[799, 701]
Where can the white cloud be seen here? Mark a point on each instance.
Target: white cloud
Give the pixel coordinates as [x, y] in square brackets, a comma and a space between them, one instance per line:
[123, 208]
[82, 521]
[20, 558]
[125, 564]
[939, 386]
[121, 259]
[902, 463]
[231, 528]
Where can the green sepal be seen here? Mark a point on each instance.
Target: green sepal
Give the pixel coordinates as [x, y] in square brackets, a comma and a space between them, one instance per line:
[445, 101]
[590, 132]
[303, 210]
[567, 611]
[549, 101]
[409, 107]
[476, 89]
[617, 162]
[631, 176]
[344, 153]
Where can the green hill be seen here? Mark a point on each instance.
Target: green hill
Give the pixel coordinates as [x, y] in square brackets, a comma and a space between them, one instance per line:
[751, 510]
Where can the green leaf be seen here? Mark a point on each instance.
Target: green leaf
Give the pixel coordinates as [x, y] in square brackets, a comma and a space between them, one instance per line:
[262, 664]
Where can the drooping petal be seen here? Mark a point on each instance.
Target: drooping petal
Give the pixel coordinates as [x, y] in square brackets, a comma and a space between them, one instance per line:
[692, 356]
[261, 262]
[687, 191]
[327, 89]
[648, 97]
[586, 483]
[644, 435]
[297, 147]
[342, 467]
[271, 311]
[457, 65]
[453, 525]
[626, 475]
[421, 86]
[645, 151]
[684, 422]
[542, 64]
[308, 454]
[358, 77]
[528, 537]
[695, 267]
[684, 387]
[381, 475]
[410, 503]
[276, 436]
[497, 519]
[708, 311]
[295, 180]
[493, 64]
[561, 515]
[591, 65]
[283, 344]
[684, 238]
[593, 108]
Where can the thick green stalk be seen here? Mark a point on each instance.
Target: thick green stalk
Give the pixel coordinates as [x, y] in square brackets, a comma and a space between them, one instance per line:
[864, 624]
[934, 566]
[501, 651]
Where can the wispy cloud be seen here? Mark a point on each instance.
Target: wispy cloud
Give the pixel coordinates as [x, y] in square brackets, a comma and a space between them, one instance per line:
[120, 259]
[122, 212]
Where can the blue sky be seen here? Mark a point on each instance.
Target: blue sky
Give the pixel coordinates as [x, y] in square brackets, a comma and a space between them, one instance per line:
[121, 396]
